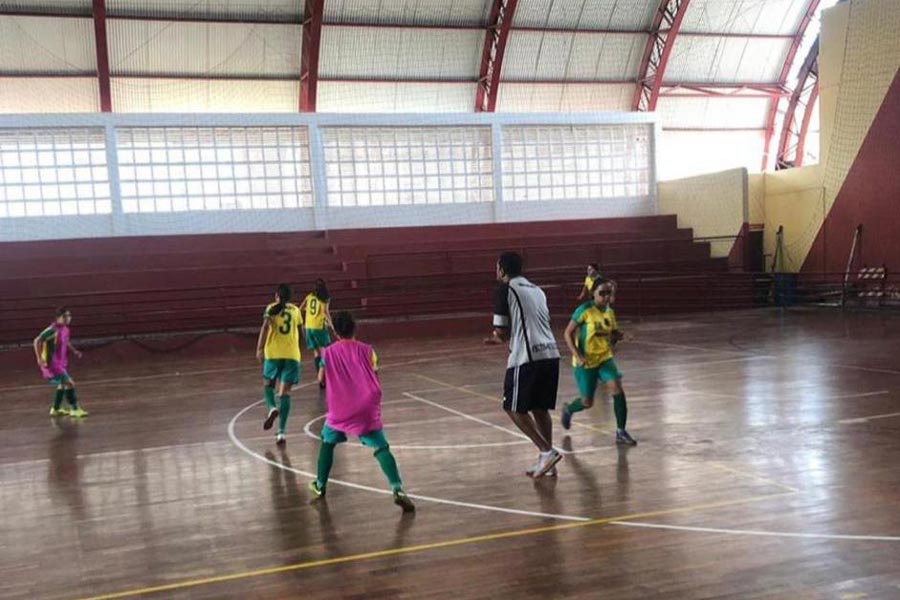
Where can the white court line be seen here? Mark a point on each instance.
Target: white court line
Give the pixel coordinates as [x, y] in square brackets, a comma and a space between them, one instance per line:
[870, 418]
[116, 380]
[240, 445]
[756, 532]
[497, 427]
[307, 429]
[870, 369]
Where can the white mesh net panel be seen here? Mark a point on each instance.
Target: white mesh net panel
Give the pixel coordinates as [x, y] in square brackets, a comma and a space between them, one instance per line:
[53, 172]
[303, 173]
[213, 168]
[413, 165]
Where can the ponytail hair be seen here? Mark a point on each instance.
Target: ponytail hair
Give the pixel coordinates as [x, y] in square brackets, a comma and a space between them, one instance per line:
[284, 296]
[322, 290]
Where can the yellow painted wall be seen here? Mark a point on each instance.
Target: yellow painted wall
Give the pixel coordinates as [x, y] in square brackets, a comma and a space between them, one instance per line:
[856, 76]
[794, 199]
[712, 205]
[858, 58]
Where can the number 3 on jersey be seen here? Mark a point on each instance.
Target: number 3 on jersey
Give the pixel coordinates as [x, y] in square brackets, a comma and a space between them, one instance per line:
[286, 325]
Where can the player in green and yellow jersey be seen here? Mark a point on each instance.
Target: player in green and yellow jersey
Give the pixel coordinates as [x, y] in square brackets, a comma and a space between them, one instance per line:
[278, 348]
[593, 274]
[591, 335]
[317, 320]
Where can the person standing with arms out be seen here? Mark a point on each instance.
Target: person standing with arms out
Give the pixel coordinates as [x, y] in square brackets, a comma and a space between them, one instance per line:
[591, 335]
[51, 348]
[317, 320]
[278, 348]
[521, 317]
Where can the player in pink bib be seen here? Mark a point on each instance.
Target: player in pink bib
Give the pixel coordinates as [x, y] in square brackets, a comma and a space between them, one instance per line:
[51, 347]
[353, 399]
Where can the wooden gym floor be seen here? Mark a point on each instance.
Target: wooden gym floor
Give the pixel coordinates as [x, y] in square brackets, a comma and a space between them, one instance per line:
[767, 468]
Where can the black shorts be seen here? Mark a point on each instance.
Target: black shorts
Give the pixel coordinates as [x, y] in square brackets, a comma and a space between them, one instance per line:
[531, 386]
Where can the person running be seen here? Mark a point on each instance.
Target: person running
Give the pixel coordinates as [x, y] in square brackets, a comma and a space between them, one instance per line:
[51, 348]
[353, 400]
[317, 320]
[591, 335]
[522, 319]
[593, 273]
[278, 348]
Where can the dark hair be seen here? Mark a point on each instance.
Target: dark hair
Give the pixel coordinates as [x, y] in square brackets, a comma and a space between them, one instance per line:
[61, 311]
[511, 264]
[284, 296]
[595, 266]
[322, 291]
[344, 325]
[598, 282]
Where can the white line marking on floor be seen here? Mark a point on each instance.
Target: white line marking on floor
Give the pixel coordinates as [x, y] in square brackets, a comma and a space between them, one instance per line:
[307, 429]
[755, 532]
[869, 418]
[240, 445]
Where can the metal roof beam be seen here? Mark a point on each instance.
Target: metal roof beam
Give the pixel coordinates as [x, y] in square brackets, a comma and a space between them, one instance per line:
[309, 54]
[785, 71]
[442, 27]
[488, 87]
[666, 24]
[793, 132]
[98, 9]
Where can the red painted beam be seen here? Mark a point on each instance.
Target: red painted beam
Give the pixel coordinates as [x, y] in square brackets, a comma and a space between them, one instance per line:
[713, 129]
[501, 18]
[785, 71]
[793, 134]
[723, 90]
[804, 125]
[99, 14]
[309, 54]
[666, 25]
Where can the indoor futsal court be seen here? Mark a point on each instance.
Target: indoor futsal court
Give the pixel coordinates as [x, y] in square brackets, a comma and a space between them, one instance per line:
[464, 299]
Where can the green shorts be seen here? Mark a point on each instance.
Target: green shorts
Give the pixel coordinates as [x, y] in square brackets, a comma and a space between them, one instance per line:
[282, 369]
[587, 379]
[373, 439]
[317, 338]
[59, 379]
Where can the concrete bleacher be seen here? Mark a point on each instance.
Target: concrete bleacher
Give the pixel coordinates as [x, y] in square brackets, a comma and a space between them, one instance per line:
[133, 286]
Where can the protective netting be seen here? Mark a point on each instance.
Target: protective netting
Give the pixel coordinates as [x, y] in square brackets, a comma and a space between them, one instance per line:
[158, 175]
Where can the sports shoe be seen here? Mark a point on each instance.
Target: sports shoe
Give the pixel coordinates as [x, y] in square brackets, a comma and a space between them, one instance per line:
[566, 418]
[58, 412]
[315, 489]
[270, 419]
[78, 413]
[403, 501]
[548, 461]
[279, 439]
[623, 437]
[551, 473]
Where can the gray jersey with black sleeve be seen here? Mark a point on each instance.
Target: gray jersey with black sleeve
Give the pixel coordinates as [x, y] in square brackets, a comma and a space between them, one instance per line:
[520, 307]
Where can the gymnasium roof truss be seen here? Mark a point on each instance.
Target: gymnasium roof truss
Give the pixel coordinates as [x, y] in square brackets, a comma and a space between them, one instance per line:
[649, 81]
[309, 54]
[796, 126]
[666, 25]
[98, 10]
[502, 13]
[785, 72]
